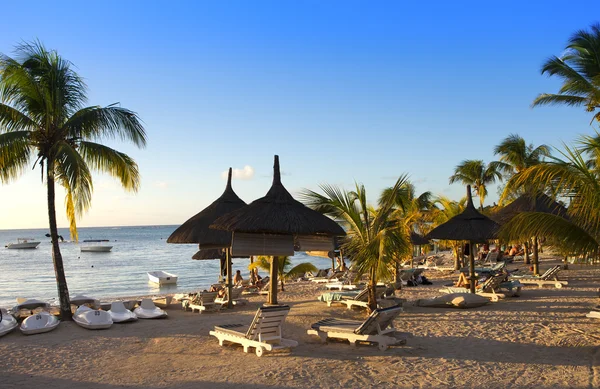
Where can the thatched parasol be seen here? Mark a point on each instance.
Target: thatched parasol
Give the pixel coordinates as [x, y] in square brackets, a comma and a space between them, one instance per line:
[278, 213]
[418, 240]
[196, 229]
[469, 225]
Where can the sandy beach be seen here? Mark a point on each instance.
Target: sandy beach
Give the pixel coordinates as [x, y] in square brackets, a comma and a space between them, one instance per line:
[541, 339]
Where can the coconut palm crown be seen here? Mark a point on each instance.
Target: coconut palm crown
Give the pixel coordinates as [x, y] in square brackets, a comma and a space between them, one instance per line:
[477, 174]
[44, 122]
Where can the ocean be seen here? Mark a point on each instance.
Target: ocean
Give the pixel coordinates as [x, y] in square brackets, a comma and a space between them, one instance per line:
[120, 272]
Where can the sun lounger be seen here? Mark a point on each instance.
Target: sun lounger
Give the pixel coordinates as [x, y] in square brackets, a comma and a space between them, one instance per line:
[377, 328]
[362, 298]
[202, 301]
[486, 289]
[550, 277]
[337, 296]
[264, 333]
[235, 297]
[347, 282]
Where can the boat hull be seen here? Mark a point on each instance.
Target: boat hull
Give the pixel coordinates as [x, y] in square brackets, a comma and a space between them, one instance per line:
[96, 249]
[21, 246]
[39, 323]
[162, 278]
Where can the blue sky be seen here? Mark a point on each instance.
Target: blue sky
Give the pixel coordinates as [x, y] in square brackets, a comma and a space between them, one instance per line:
[341, 90]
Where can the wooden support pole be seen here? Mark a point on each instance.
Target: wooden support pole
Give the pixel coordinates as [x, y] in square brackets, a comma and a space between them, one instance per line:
[471, 267]
[229, 277]
[273, 280]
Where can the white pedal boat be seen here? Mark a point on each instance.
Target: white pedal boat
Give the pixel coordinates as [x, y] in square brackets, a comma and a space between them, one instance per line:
[39, 323]
[147, 310]
[92, 319]
[8, 323]
[162, 277]
[82, 299]
[120, 314]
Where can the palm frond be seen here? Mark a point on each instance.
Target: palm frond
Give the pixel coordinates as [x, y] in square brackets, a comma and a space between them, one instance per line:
[15, 153]
[299, 270]
[118, 165]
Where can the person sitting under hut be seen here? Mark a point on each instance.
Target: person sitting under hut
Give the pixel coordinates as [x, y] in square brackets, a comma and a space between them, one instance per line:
[238, 279]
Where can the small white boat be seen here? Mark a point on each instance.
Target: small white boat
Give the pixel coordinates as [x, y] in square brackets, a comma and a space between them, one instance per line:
[147, 310]
[120, 314]
[82, 299]
[162, 277]
[23, 243]
[8, 323]
[39, 323]
[95, 246]
[92, 319]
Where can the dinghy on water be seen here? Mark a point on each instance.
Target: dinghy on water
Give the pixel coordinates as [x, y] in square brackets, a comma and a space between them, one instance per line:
[95, 246]
[120, 314]
[162, 277]
[147, 310]
[8, 323]
[39, 323]
[92, 319]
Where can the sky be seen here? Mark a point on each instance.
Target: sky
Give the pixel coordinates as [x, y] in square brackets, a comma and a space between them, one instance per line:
[343, 91]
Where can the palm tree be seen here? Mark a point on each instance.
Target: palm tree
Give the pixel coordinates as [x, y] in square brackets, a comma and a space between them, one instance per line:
[477, 174]
[283, 272]
[570, 178]
[579, 69]
[447, 210]
[42, 115]
[516, 156]
[375, 240]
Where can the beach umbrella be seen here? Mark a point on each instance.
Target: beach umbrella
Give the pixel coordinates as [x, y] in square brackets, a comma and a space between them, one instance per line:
[196, 229]
[470, 225]
[275, 224]
[539, 202]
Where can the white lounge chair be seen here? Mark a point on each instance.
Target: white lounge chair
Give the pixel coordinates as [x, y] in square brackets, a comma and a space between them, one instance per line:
[203, 301]
[264, 333]
[362, 299]
[39, 323]
[8, 323]
[235, 297]
[147, 310]
[377, 328]
[486, 289]
[550, 277]
[92, 319]
[120, 314]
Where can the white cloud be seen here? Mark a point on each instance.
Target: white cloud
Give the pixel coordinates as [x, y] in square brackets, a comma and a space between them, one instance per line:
[247, 173]
[161, 184]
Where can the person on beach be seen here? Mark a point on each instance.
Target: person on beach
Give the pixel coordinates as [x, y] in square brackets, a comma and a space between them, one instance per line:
[238, 279]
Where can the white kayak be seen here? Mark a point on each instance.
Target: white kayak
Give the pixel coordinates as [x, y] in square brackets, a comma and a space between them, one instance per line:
[39, 323]
[8, 323]
[147, 310]
[162, 277]
[120, 314]
[92, 319]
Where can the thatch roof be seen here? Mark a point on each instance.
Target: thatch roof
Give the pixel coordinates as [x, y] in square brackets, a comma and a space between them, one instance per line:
[208, 254]
[469, 225]
[530, 203]
[196, 229]
[278, 213]
[417, 239]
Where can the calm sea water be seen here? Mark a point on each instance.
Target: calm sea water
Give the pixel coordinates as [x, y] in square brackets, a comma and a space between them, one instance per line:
[121, 272]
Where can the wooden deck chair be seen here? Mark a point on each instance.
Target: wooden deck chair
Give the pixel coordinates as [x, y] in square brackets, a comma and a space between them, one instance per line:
[377, 328]
[362, 299]
[235, 297]
[264, 333]
[550, 277]
[322, 276]
[202, 301]
[486, 289]
[347, 282]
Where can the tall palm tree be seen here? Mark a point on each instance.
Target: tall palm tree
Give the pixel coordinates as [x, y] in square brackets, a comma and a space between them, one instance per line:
[477, 174]
[445, 209]
[579, 69]
[375, 240]
[42, 115]
[284, 272]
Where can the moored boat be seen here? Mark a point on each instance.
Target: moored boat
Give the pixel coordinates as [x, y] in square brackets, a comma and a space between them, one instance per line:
[95, 246]
[162, 277]
[24, 243]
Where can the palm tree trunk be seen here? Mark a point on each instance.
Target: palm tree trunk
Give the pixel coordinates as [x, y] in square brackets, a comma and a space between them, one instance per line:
[472, 267]
[372, 291]
[536, 264]
[273, 276]
[526, 253]
[59, 270]
[229, 277]
[456, 259]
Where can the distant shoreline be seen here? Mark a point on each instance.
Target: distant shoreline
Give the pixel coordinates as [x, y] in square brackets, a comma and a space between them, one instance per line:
[81, 228]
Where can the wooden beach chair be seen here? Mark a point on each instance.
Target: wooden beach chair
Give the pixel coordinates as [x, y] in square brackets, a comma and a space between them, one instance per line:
[550, 277]
[377, 328]
[203, 301]
[264, 333]
[345, 283]
[486, 289]
[362, 299]
[322, 276]
[235, 297]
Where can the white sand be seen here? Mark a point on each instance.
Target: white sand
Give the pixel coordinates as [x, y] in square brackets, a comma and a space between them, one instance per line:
[519, 342]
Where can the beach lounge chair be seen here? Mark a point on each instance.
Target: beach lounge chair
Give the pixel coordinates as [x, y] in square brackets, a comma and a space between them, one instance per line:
[377, 328]
[235, 297]
[486, 289]
[362, 298]
[322, 276]
[550, 277]
[202, 301]
[264, 333]
[344, 283]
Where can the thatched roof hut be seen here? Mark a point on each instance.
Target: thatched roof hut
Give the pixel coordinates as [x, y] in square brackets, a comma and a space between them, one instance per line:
[196, 229]
[418, 240]
[530, 203]
[469, 225]
[278, 213]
